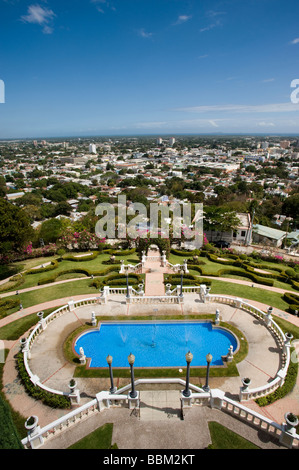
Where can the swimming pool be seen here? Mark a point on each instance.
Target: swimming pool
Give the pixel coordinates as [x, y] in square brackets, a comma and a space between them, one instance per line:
[155, 344]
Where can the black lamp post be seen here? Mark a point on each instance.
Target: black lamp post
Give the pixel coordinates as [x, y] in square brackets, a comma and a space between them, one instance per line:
[109, 361]
[189, 358]
[131, 359]
[182, 274]
[209, 358]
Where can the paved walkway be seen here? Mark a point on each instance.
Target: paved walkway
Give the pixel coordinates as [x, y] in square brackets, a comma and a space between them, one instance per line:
[158, 426]
[154, 277]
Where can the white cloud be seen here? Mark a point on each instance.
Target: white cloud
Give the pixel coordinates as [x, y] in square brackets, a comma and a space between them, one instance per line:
[295, 41]
[41, 16]
[144, 34]
[209, 27]
[182, 124]
[266, 124]
[102, 3]
[238, 108]
[182, 19]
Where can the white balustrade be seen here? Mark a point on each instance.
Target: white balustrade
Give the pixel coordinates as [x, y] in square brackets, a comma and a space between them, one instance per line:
[105, 399]
[214, 398]
[275, 330]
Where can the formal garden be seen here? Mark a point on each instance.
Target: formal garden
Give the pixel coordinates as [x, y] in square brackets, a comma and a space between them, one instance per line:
[67, 273]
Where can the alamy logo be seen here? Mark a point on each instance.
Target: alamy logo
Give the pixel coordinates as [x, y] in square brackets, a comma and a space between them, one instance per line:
[161, 220]
[295, 93]
[2, 92]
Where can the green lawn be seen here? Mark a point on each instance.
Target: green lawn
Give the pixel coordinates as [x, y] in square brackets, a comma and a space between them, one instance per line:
[224, 438]
[68, 289]
[93, 265]
[80, 287]
[14, 330]
[258, 294]
[101, 438]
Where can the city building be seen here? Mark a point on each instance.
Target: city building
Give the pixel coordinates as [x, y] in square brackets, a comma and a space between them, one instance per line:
[92, 148]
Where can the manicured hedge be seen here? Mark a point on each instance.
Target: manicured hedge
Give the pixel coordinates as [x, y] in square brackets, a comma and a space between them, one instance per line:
[188, 280]
[290, 382]
[246, 271]
[294, 284]
[231, 261]
[116, 280]
[123, 252]
[195, 267]
[50, 267]
[293, 301]
[8, 304]
[48, 398]
[87, 257]
[243, 273]
[185, 253]
[15, 282]
[87, 272]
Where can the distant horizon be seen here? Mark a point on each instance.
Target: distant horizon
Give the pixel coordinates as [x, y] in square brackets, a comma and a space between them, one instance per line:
[154, 135]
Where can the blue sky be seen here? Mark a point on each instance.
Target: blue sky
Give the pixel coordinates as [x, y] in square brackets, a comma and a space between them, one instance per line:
[116, 67]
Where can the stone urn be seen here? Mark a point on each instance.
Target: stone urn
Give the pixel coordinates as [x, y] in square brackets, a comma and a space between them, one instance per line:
[291, 421]
[246, 382]
[289, 337]
[23, 343]
[168, 287]
[72, 385]
[40, 315]
[31, 423]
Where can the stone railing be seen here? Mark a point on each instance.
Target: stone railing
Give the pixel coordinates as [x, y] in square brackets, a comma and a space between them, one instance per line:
[285, 433]
[26, 344]
[155, 299]
[117, 290]
[130, 268]
[281, 339]
[191, 289]
[177, 267]
[104, 400]
[37, 436]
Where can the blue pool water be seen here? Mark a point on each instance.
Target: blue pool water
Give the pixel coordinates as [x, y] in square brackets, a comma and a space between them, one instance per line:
[161, 344]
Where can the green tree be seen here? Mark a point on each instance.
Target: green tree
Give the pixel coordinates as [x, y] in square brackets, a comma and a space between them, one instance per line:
[3, 188]
[15, 228]
[51, 230]
[290, 207]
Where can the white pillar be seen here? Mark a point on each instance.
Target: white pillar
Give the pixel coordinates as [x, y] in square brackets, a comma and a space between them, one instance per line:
[287, 343]
[33, 430]
[289, 431]
[134, 402]
[216, 399]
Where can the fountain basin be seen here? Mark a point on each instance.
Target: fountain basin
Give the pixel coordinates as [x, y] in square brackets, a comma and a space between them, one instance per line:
[155, 344]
